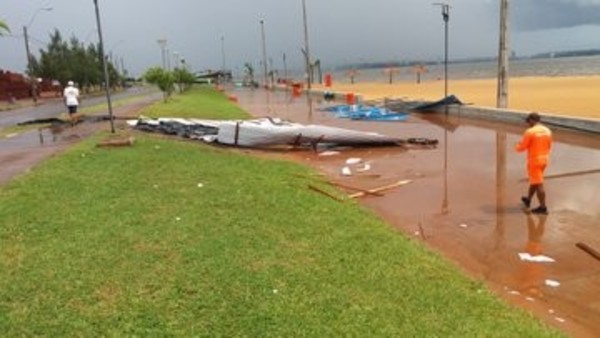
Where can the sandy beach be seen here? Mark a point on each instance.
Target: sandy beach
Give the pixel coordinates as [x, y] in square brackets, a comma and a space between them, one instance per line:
[571, 95]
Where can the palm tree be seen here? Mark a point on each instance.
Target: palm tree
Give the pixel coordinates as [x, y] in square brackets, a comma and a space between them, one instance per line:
[391, 71]
[3, 28]
[420, 69]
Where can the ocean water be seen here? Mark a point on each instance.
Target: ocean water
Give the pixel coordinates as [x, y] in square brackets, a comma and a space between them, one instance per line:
[571, 66]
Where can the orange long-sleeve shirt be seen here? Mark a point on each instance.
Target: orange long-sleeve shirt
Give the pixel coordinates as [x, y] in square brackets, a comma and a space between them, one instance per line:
[537, 140]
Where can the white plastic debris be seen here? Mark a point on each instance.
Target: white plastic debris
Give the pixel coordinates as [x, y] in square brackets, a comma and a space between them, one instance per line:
[530, 299]
[132, 123]
[524, 256]
[417, 233]
[178, 218]
[329, 153]
[346, 171]
[463, 225]
[559, 319]
[366, 167]
[200, 185]
[516, 293]
[353, 160]
[552, 283]
[550, 311]
[275, 290]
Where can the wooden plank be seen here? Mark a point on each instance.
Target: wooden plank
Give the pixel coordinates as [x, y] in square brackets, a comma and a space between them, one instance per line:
[319, 190]
[380, 189]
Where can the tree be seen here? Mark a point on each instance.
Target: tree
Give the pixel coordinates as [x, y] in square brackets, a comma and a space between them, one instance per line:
[249, 70]
[3, 28]
[419, 69]
[391, 71]
[183, 78]
[163, 79]
[71, 60]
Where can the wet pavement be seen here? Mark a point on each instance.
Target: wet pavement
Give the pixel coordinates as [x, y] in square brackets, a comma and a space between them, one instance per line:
[464, 201]
[20, 152]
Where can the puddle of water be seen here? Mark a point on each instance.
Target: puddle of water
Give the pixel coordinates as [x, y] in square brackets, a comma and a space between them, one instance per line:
[464, 200]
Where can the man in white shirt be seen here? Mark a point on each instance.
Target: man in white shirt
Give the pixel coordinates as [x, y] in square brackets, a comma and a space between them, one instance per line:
[71, 96]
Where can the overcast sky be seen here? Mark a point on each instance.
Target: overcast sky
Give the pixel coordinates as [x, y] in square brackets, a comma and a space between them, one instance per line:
[340, 31]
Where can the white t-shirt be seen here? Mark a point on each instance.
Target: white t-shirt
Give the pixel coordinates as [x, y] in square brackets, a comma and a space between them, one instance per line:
[71, 95]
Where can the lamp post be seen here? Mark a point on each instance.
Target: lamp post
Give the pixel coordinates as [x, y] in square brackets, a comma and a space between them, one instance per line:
[223, 66]
[105, 68]
[264, 52]
[502, 97]
[306, 49]
[163, 43]
[446, 17]
[28, 51]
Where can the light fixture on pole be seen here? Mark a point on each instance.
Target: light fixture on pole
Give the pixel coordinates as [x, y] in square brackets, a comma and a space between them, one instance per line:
[28, 52]
[105, 68]
[264, 52]
[446, 17]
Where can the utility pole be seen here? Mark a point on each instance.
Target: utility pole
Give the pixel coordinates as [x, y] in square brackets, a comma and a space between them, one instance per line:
[502, 98]
[264, 52]
[306, 50]
[28, 51]
[105, 67]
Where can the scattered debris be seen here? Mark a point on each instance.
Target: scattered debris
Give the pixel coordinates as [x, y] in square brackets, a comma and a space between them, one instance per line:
[326, 193]
[550, 311]
[588, 249]
[365, 167]
[329, 153]
[346, 171]
[267, 132]
[200, 185]
[559, 319]
[463, 225]
[516, 293]
[552, 283]
[355, 188]
[530, 299]
[525, 256]
[117, 142]
[353, 160]
[380, 189]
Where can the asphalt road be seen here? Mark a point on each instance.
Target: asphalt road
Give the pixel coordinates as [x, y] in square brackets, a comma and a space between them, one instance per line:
[54, 107]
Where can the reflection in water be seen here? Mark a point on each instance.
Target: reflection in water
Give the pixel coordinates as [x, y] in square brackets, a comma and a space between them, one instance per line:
[500, 182]
[309, 100]
[532, 274]
[445, 201]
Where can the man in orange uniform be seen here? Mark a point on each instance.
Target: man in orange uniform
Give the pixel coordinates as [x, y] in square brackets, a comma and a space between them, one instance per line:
[537, 140]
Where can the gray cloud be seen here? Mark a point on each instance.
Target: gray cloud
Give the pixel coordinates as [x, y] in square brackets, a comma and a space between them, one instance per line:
[530, 15]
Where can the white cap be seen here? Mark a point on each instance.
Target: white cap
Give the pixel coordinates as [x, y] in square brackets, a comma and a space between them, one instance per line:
[70, 83]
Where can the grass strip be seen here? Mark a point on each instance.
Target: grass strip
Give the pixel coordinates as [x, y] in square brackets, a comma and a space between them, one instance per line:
[179, 238]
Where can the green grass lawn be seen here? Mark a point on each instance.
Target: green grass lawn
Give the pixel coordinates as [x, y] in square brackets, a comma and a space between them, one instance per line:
[200, 102]
[179, 238]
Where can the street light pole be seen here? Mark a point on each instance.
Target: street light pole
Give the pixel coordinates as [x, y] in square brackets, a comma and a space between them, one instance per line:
[163, 43]
[264, 52]
[502, 97]
[105, 68]
[306, 49]
[446, 17]
[223, 53]
[28, 51]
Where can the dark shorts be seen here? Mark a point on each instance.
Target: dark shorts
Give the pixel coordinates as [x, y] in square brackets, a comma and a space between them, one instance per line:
[72, 109]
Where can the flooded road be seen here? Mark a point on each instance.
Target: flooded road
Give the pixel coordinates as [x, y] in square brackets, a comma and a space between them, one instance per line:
[464, 201]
